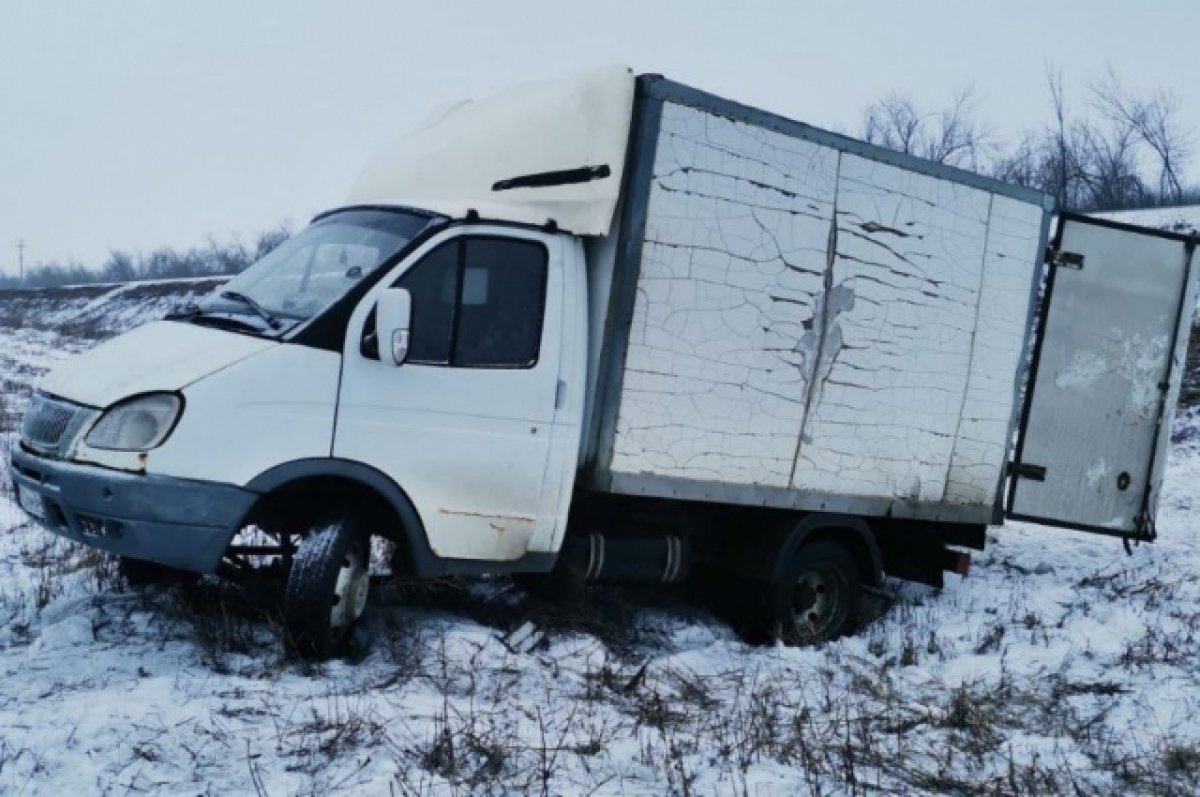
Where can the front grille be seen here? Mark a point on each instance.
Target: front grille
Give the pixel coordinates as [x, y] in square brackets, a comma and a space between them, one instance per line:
[46, 421]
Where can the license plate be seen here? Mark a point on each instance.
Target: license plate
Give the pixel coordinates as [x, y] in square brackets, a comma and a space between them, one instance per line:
[31, 502]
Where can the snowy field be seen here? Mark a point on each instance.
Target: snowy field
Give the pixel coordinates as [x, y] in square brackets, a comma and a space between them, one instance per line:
[1060, 665]
[1185, 219]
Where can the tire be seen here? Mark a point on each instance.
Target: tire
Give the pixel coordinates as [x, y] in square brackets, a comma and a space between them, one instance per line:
[140, 573]
[326, 589]
[817, 597]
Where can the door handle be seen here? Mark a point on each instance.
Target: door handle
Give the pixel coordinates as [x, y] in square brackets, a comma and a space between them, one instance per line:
[1024, 470]
[560, 395]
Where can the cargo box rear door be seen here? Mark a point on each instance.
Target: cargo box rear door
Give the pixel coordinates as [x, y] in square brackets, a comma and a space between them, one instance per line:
[1104, 379]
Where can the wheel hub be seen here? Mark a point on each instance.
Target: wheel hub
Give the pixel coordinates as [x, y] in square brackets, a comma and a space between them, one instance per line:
[813, 602]
[350, 591]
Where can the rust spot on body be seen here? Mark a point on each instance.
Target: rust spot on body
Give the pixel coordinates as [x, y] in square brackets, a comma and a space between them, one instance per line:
[511, 533]
[486, 515]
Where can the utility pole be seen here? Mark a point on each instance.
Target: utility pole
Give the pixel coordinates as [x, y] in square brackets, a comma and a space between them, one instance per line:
[21, 258]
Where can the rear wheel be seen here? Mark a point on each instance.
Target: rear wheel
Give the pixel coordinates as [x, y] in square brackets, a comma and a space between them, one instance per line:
[327, 588]
[817, 596]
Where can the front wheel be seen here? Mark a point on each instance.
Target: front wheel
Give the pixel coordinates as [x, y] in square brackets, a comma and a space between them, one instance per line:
[326, 589]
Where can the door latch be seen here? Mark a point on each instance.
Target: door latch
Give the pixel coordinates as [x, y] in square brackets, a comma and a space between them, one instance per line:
[1057, 257]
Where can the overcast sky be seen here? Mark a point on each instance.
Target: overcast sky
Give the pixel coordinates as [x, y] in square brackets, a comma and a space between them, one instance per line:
[134, 124]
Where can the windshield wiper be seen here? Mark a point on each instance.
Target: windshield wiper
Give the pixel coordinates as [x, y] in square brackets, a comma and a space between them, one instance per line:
[194, 314]
[234, 296]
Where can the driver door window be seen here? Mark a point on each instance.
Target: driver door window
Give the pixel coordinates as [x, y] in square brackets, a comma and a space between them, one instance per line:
[478, 303]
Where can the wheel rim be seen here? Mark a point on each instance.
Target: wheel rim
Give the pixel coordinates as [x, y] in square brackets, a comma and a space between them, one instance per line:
[350, 591]
[816, 602]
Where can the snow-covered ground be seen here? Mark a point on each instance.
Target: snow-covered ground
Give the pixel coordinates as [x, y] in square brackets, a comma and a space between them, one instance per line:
[1185, 219]
[101, 309]
[1060, 665]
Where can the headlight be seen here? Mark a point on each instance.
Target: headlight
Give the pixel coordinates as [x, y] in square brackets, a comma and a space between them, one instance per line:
[137, 424]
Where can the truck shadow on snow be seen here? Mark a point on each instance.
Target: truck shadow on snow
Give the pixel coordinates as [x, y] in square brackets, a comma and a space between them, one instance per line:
[238, 626]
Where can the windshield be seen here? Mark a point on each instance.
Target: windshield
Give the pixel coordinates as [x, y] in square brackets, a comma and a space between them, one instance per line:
[316, 267]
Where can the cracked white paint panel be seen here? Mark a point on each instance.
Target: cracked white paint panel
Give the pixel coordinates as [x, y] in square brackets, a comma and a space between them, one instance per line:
[888, 375]
[733, 266]
[1009, 268]
[896, 357]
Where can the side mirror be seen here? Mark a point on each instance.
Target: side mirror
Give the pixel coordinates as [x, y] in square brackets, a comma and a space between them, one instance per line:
[393, 317]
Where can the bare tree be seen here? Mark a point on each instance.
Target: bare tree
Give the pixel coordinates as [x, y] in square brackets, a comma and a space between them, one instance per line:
[893, 123]
[1122, 151]
[1023, 164]
[952, 136]
[1109, 172]
[268, 240]
[1154, 120]
[120, 267]
[1063, 165]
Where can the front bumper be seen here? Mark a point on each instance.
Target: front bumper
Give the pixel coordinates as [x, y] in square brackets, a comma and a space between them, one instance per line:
[176, 522]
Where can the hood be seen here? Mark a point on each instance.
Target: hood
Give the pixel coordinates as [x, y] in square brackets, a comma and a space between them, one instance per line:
[162, 355]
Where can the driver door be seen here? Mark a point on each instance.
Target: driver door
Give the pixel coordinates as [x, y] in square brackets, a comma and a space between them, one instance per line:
[465, 425]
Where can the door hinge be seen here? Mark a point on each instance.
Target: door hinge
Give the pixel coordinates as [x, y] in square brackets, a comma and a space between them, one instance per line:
[1057, 257]
[1023, 470]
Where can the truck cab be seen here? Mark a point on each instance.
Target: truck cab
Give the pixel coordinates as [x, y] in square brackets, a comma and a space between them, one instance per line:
[417, 362]
[457, 356]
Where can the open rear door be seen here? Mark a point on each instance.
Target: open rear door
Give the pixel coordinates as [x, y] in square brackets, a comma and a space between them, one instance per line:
[1105, 377]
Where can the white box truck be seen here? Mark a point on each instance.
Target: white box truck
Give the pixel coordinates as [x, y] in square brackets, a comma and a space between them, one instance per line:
[615, 328]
